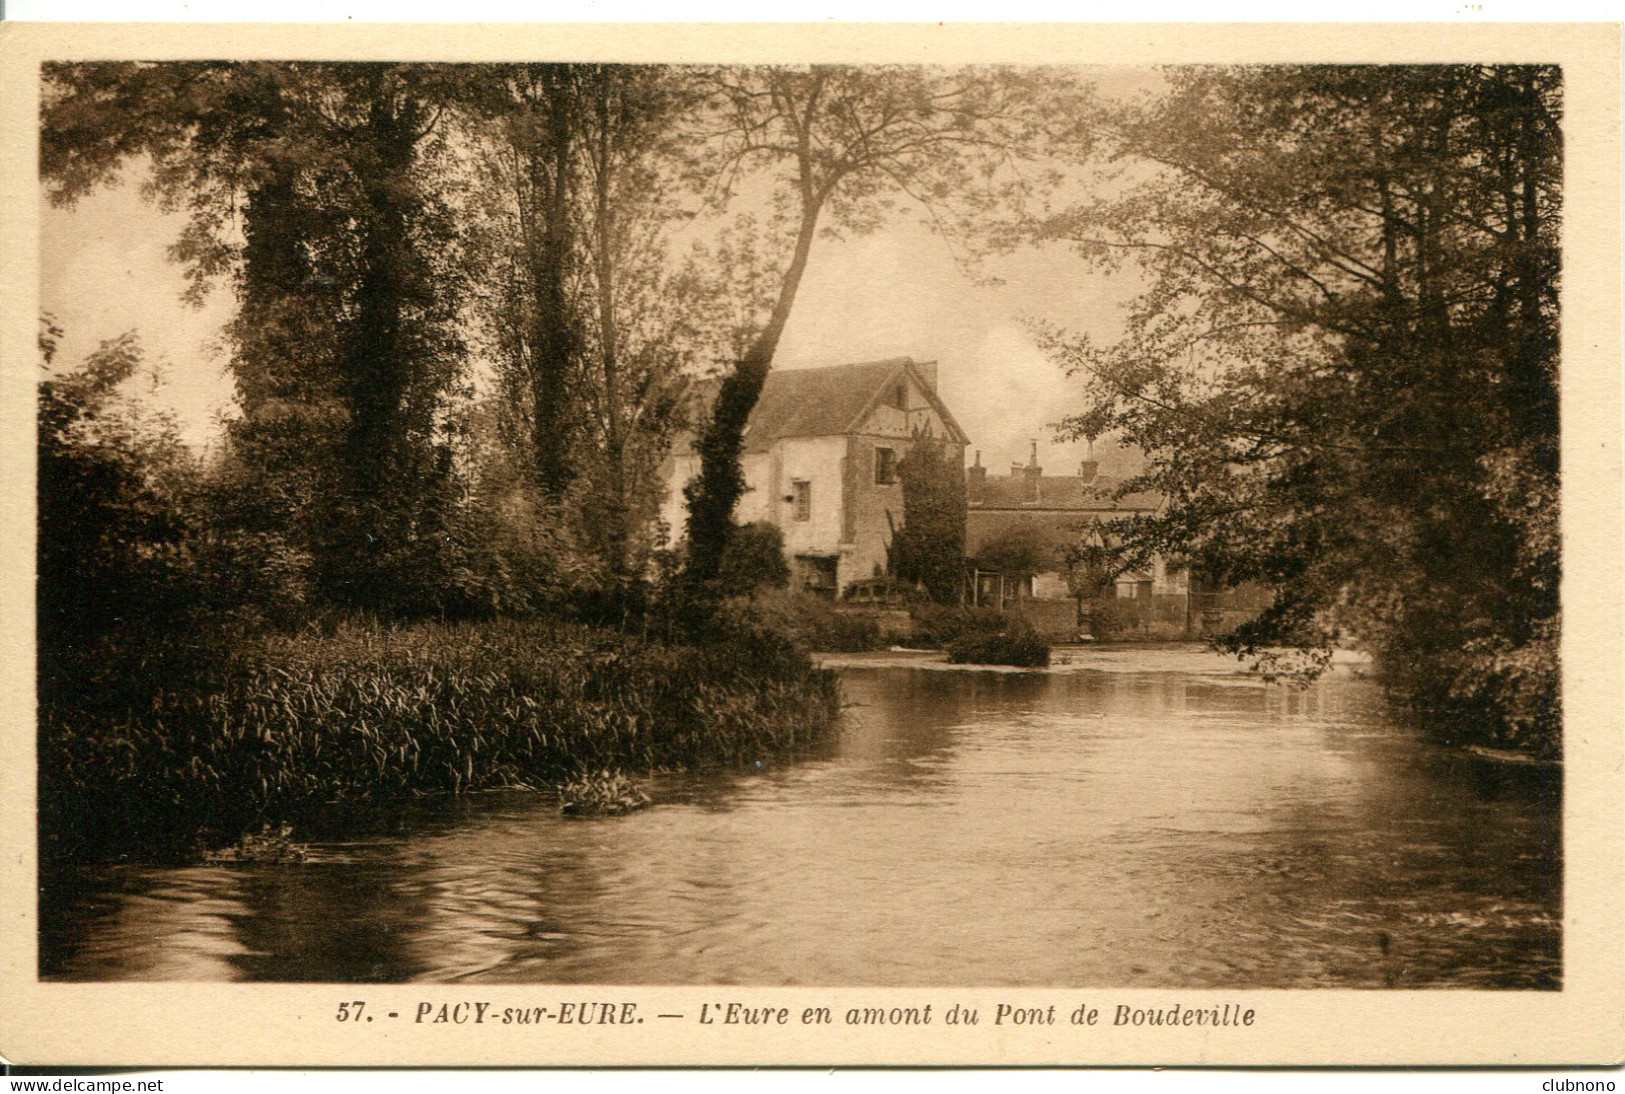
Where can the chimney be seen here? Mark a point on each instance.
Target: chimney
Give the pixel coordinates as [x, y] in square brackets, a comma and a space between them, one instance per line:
[928, 373]
[1032, 473]
[976, 479]
[1088, 469]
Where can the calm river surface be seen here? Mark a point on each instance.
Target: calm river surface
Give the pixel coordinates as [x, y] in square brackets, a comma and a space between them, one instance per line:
[1135, 818]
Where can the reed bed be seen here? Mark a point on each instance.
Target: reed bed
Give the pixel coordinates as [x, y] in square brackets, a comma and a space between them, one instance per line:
[301, 729]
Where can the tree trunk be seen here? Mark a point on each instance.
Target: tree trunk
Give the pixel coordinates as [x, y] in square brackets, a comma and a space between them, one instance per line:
[555, 348]
[712, 496]
[609, 343]
[378, 369]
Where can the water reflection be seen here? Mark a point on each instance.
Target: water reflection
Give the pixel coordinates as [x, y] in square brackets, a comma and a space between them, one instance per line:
[1172, 828]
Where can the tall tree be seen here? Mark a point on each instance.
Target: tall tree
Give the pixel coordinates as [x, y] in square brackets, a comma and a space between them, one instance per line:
[1344, 367]
[644, 335]
[534, 116]
[399, 349]
[841, 146]
[929, 549]
[311, 187]
[593, 318]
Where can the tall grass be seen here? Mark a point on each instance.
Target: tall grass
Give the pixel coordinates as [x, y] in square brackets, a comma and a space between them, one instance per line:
[171, 747]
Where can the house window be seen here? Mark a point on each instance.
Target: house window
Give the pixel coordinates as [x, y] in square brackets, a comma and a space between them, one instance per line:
[801, 498]
[885, 467]
[1133, 587]
[899, 396]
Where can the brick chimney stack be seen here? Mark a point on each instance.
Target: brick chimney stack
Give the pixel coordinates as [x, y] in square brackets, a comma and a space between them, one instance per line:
[1032, 473]
[976, 479]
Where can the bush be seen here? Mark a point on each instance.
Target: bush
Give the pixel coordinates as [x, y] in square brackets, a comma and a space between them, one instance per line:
[813, 623]
[1111, 617]
[1487, 693]
[114, 499]
[143, 750]
[938, 626]
[754, 558]
[1022, 648]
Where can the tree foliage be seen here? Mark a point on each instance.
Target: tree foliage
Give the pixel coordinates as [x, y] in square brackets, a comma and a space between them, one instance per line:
[755, 558]
[1344, 366]
[312, 187]
[929, 549]
[112, 487]
[1020, 550]
[582, 184]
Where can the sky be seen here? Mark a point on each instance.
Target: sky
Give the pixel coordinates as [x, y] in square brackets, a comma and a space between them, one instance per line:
[896, 292]
[900, 293]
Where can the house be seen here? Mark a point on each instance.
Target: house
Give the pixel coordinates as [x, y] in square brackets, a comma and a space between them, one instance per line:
[1021, 529]
[820, 461]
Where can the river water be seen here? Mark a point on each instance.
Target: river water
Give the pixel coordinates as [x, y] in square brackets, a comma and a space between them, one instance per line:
[1132, 818]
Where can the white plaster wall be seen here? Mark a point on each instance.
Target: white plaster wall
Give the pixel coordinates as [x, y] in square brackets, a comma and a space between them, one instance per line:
[818, 460]
[757, 502]
[673, 506]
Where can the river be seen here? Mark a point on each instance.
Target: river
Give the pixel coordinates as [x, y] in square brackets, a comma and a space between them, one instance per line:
[1135, 817]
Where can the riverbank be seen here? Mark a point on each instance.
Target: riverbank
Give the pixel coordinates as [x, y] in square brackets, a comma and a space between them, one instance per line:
[158, 751]
[1194, 658]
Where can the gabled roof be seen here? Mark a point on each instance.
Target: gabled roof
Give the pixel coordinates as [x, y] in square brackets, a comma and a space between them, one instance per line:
[825, 402]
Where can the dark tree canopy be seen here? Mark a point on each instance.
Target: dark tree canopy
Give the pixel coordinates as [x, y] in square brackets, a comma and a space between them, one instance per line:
[1344, 367]
[311, 186]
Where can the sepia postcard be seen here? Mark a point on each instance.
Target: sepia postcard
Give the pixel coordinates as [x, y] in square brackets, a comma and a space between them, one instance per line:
[670, 545]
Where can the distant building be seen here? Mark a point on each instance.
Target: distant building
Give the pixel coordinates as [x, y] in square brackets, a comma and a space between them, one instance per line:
[1021, 530]
[820, 461]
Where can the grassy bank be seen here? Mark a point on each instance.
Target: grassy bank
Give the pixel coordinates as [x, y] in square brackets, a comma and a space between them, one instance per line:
[147, 752]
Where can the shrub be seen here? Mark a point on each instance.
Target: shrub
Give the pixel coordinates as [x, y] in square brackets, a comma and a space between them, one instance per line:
[939, 626]
[114, 499]
[849, 632]
[1111, 617]
[754, 558]
[813, 623]
[1022, 648]
[1489, 692]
